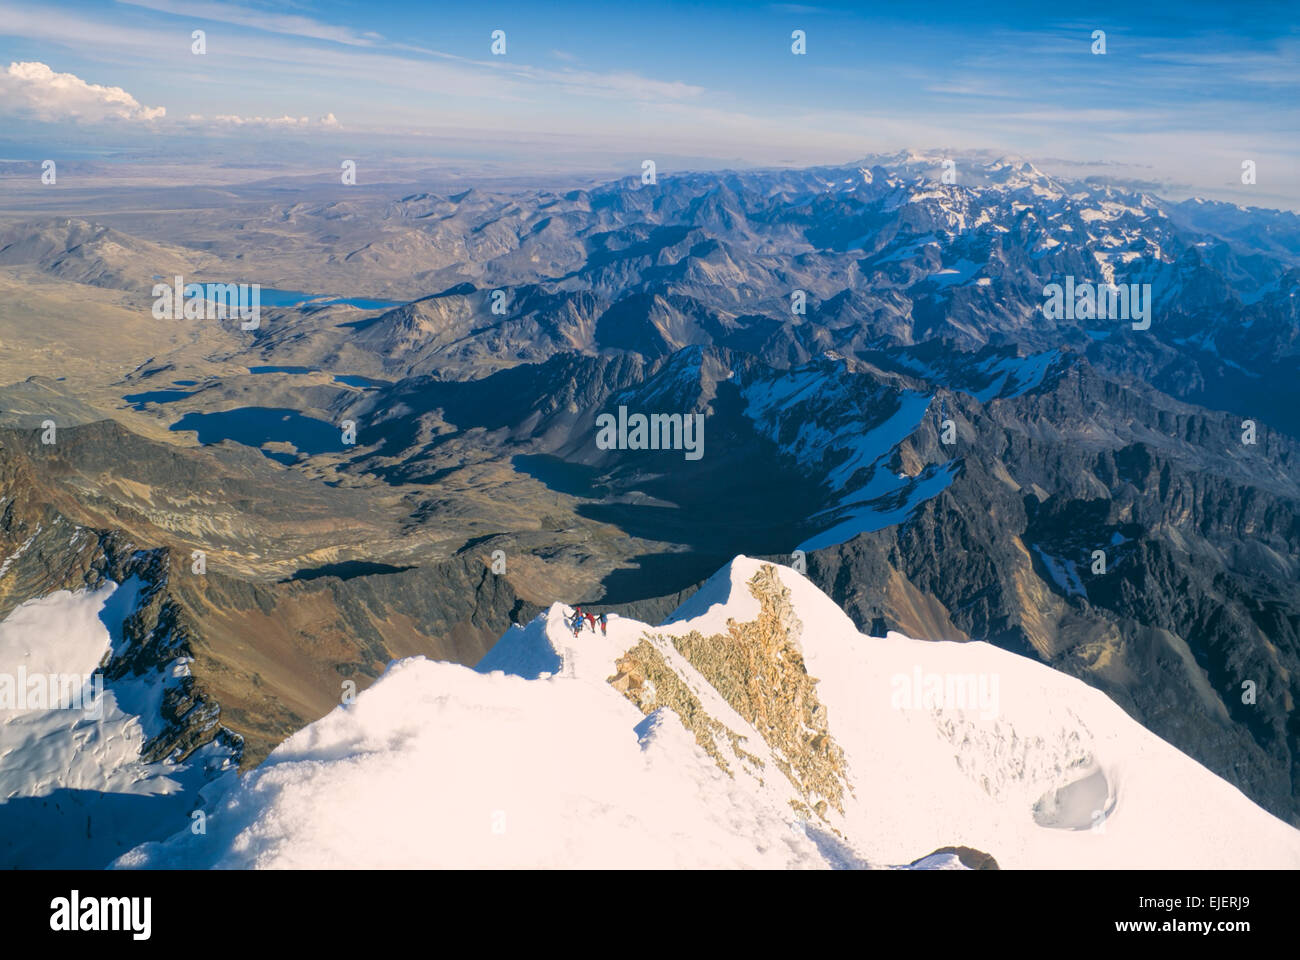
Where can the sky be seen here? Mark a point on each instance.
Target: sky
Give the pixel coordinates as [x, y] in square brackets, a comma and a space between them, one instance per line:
[1184, 93]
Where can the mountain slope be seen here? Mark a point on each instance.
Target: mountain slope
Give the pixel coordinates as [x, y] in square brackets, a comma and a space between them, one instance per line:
[757, 728]
[112, 767]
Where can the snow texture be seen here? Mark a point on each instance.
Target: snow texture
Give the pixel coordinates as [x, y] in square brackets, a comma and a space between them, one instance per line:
[534, 760]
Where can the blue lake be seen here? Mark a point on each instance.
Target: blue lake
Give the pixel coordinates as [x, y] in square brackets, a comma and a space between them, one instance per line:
[352, 380]
[254, 426]
[274, 297]
[155, 396]
[271, 297]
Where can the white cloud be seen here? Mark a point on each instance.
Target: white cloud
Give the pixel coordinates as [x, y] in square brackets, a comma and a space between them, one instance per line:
[301, 123]
[33, 89]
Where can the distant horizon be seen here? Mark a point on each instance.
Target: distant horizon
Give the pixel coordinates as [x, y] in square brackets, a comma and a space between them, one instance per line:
[1174, 95]
[525, 177]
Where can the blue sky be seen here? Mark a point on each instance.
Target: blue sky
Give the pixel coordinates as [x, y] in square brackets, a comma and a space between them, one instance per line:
[1184, 92]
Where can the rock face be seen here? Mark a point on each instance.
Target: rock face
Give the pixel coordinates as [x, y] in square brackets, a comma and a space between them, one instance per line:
[759, 671]
[647, 679]
[970, 858]
[45, 552]
[1160, 567]
[266, 657]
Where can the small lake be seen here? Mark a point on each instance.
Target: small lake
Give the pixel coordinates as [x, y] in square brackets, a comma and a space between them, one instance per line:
[138, 400]
[273, 369]
[271, 297]
[352, 380]
[255, 426]
[275, 297]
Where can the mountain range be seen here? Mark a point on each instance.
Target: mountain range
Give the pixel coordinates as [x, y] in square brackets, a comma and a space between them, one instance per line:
[887, 407]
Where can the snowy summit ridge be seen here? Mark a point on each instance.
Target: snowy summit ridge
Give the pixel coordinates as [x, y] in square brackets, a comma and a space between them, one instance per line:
[755, 728]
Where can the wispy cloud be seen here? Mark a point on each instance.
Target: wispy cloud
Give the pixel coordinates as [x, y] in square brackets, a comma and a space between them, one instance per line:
[329, 121]
[795, 8]
[435, 74]
[294, 25]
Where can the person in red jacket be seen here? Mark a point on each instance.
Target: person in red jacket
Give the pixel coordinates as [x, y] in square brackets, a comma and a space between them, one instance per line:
[591, 619]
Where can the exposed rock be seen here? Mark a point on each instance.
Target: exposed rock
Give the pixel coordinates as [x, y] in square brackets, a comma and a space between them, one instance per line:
[759, 671]
[970, 858]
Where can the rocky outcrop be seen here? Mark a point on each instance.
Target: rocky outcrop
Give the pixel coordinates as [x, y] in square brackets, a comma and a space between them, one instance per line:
[758, 670]
[970, 858]
[264, 657]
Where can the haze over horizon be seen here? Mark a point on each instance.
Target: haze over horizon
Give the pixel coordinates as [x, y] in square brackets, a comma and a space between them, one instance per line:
[1181, 97]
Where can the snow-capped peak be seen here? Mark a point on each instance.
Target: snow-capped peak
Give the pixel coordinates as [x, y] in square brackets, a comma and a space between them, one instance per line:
[755, 727]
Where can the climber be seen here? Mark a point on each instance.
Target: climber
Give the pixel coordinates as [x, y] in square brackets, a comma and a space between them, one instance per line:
[591, 619]
[604, 621]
